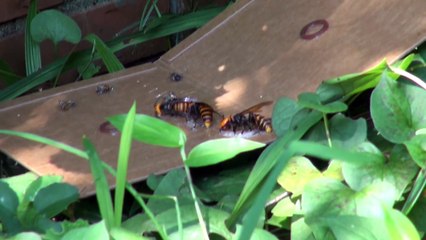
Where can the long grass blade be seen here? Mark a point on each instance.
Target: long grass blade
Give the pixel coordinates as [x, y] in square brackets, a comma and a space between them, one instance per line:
[123, 160]
[110, 60]
[418, 187]
[103, 194]
[32, 48]
[146, 15]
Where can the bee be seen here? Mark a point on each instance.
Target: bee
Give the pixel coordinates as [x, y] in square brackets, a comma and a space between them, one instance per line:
[103, 89]
[187, 107]
[248, 119]
[65, 105]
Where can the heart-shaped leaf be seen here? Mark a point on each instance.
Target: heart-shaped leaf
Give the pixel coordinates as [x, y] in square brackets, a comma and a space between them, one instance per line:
[56, 26]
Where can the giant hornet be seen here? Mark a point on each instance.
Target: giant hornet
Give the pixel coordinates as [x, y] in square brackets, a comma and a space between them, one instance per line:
[248, 119]
[186, 107]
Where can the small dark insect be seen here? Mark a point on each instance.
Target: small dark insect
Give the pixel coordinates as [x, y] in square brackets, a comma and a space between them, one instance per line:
[175, 77]
[248, 120]
[108, 128]
[186, 107]
[103, 89]
[65, 105]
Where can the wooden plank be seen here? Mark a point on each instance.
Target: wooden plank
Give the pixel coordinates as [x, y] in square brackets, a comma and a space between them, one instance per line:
[249, 54]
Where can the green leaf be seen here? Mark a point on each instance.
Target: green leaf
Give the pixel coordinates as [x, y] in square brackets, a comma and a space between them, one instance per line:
[399, 226]
[284, 208]
[26, 236]
[39, 184]
[32, 48]
[65, 227]
[397, 109]
[8, 209]
[258, 234]
[283, 113]
[110, 60]
[313, 101]
[327, 198]
[55, 198]
[356, 227]
[56, 26]
[88, 71]
[416, 148]
[344, 132]
[123, 234]
[416, 192]
[398, 172]
[103, 195]
[327, 153]
[122, 163]
[298, 172]
[153, 131]
[97, 231]
[218, 150]
[20, 183]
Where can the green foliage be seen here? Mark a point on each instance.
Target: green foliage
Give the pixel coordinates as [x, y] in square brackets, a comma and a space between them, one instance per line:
[55, 26]
[32, 48]
[28, 204]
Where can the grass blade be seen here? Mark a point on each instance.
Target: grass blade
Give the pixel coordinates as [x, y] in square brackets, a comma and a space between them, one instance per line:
[32, 48]
[110, 60]
[418, 186]
[145, 15]
[103, 194]
[122, 162]
[6, 74]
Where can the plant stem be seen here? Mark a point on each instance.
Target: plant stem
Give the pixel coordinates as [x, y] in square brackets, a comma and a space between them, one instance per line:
[327, 131]
[194, 198]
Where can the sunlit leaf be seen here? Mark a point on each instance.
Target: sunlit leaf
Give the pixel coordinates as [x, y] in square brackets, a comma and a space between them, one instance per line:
[152, 130]
[298, 172]
[397, 109]
[398, 171]
[97, 231]
[284, 208]
[399, 226]
[56, 26]
[417, 150]
[26, 236]
[219, 150]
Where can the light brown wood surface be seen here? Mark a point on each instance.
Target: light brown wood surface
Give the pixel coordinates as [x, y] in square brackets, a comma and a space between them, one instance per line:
[250, 53]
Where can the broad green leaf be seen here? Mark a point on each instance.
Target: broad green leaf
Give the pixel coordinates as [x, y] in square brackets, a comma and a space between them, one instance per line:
[327, 153]
[326, 199]
[97, 231]
[20, 183]
[334, 170]
[398, 171]
[416, 148]
[282, 115]
[56, 26]
[301, 230]
[357, 227]
[152, 130]
[103, 194]
[170, 185]
[284, 208]
[351, 84]
[313, 101]
[32, 48]
[8, 209]
[213, 217]
[123, 234]
[344, 132]
[397, 109]
[399, 226]
[258, 234]
[55, 198]
[39, 184]
[218, 150]
[110, 60]
[66, 226]
[298, 172]
[122, 164]
[26, 236]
